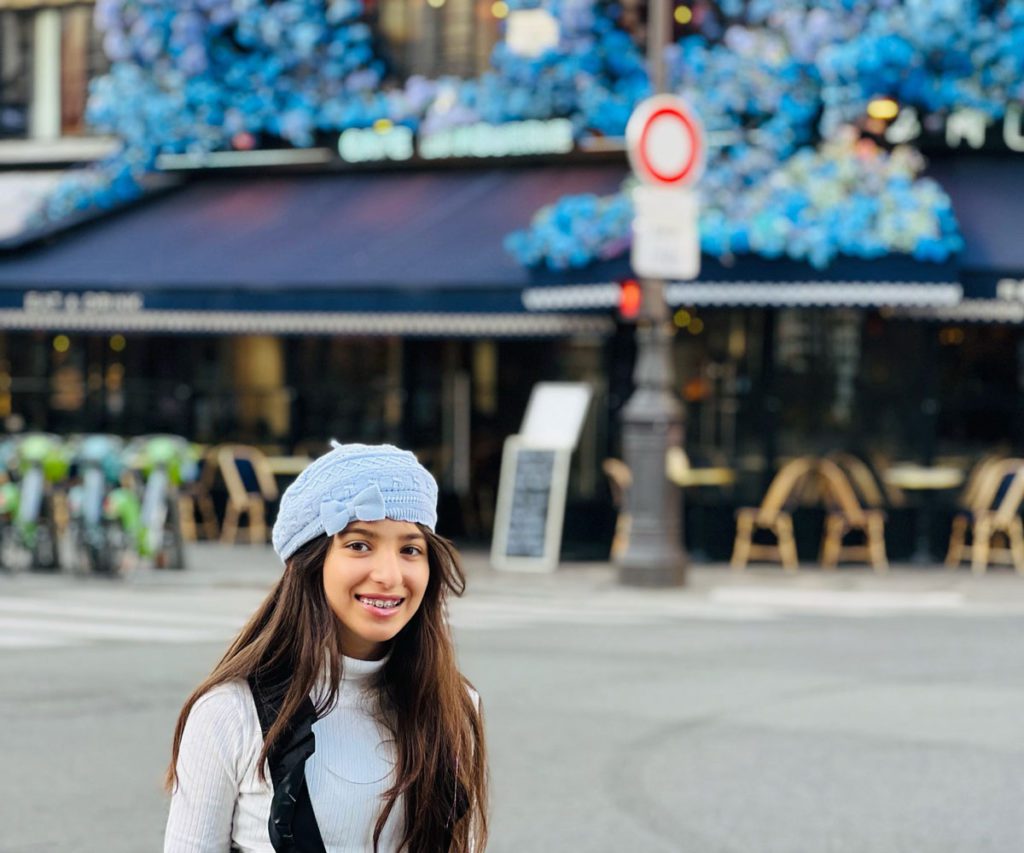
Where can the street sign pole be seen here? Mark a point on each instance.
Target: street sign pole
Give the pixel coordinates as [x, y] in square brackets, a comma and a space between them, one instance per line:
[652, 419]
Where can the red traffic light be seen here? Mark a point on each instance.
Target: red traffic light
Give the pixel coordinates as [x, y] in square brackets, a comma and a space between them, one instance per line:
[631, 297]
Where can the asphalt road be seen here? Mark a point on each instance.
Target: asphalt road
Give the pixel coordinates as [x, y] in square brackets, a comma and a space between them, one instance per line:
[753, 716]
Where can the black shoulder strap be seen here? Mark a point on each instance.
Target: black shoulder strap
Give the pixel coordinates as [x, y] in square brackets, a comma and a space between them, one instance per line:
[292, 825]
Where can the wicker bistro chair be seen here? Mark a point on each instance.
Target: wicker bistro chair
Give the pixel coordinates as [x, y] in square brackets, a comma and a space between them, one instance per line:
[845, 515]
[982, 485]
[978, 493]
[869, 490]
[250, 484]
[620, 479]
[994, 499]
[775, 515]
[197, 495]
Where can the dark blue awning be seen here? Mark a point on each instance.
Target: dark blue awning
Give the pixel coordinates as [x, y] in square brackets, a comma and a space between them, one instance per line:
[359, 244]
[316, 232]
[988, 197]
[335, 252]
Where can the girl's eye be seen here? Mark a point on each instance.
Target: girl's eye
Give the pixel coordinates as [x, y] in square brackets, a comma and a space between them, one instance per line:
[359, 547]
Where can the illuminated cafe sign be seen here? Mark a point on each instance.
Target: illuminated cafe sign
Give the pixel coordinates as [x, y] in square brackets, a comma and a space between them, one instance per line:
[87, 302]
[966, 129]
[387, 142]
[1010, 289]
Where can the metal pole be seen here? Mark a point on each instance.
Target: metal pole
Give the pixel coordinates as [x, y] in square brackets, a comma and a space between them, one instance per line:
[652, 420]
[659, 31]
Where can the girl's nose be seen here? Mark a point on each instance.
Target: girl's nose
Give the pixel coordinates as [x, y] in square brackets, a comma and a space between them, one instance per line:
[386, 570]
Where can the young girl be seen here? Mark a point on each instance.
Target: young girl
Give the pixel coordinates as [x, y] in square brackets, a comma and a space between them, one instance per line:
[337, 721]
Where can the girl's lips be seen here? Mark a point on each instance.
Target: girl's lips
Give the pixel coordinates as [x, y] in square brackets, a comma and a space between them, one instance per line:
[377, 610]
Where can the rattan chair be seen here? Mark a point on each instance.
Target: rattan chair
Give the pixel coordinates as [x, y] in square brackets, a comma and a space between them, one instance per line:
[994, 498]
[846, 514]
[620, 479]
[197, 496]
[775, 515]
[870, 491]
[250, 484]
[977, 494]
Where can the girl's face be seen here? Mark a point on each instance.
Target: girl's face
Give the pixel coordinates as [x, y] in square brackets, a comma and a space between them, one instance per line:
[375, 574]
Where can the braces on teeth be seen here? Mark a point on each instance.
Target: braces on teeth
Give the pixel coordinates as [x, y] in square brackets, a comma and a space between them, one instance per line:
[377, 602]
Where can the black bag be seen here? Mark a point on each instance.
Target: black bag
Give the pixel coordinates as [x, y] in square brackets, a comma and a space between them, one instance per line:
[292, 824]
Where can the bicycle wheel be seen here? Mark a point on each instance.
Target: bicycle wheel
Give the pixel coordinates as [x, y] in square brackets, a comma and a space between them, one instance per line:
[45, 554]
[172, 551]
[12, 557]
[120, 554]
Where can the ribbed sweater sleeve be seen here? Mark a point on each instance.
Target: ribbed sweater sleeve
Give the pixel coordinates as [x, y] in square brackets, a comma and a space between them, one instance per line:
[210, 767]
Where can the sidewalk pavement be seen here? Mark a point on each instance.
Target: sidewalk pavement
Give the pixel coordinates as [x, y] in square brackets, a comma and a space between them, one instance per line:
[243, 565]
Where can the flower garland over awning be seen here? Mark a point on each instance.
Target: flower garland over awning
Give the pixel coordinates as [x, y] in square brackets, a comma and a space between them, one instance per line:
[777, 83]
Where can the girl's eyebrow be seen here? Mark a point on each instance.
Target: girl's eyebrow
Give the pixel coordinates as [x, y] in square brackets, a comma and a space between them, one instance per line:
[369, 534]
[362, 531]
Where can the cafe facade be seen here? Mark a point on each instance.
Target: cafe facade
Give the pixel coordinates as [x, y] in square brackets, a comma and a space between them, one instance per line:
[360, 285]
[235, 307]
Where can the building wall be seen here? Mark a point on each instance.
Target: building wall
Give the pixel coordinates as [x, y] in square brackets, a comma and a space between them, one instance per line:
[48, 55]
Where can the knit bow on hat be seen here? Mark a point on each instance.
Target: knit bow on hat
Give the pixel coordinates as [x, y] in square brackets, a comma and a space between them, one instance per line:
[368, 505]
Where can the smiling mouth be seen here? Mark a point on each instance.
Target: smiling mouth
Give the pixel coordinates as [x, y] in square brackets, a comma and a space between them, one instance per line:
[379, 603]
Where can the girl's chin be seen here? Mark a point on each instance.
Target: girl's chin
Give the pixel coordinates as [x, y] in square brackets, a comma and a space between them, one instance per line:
[375, 634]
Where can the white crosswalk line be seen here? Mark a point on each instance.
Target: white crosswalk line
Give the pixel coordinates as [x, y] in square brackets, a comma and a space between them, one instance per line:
[36, 623]
[31, 641]
[839, 601]
[91, 611]
[108, 630]
[123, 615]
[484, 614]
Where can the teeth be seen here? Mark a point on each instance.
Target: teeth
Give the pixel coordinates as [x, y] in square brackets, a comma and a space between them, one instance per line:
[377, 602]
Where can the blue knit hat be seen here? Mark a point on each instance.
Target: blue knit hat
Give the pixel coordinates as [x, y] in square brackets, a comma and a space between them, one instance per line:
[353, 481]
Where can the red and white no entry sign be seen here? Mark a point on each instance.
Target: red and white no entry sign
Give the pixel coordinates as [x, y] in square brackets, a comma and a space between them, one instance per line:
[665, 142]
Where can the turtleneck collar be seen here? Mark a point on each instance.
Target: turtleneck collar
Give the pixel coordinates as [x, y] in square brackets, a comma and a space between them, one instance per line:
[361, 672]
[357, 677]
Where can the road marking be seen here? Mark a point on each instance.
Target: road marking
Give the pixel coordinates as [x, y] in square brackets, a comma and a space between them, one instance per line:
[837, 601]
[27, 623]
[57, 629]
[91, 611]
[123, 615]
[482, 614]
[31, 641]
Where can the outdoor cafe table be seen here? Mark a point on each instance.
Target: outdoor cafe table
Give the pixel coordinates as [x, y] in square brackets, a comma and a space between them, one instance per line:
[926, 479]
[680, 472]
[287, 466]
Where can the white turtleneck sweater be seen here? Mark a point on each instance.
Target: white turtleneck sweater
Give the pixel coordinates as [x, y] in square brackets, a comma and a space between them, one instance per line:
[220, 804]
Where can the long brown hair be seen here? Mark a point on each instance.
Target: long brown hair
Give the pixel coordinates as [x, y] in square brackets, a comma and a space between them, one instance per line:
[425, 702]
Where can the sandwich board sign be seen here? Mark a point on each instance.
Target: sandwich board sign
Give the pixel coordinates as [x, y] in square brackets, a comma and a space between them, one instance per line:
[531, 507]
[534, 478]
[666, 147]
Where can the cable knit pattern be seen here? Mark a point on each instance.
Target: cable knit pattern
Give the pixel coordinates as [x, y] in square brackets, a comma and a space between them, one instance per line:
[408, 490]
[220, 802]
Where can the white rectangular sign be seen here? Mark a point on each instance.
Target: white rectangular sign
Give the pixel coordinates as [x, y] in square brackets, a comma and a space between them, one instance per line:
[666, 238]
[555, 414]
